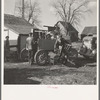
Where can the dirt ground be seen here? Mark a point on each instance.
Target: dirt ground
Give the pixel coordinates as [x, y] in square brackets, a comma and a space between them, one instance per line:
[23, 73]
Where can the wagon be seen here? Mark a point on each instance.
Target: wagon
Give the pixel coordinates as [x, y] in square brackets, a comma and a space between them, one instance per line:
[44, 46]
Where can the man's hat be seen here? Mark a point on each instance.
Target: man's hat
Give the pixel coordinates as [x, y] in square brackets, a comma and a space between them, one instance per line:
[7, 36]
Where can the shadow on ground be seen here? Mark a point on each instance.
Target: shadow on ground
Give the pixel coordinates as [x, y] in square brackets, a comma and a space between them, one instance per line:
[22, 75]
[18, 76]
[83, 61]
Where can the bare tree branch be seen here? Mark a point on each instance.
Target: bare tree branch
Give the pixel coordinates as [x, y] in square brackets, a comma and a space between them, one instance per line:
[32, 11]
[71, 11]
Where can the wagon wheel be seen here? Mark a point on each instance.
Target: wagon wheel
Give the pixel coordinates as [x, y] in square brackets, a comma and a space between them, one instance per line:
[24, 55]
[41, 57]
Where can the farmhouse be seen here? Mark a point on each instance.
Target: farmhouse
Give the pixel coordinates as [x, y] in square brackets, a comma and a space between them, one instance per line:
[13, 26]
[90, 30]
[73, 33]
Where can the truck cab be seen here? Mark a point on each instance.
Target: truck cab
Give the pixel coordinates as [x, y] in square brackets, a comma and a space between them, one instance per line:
[89, 47]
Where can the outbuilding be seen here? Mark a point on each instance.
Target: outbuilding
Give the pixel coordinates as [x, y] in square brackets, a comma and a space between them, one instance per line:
[13, 26]
[89, 30]
[67, 29]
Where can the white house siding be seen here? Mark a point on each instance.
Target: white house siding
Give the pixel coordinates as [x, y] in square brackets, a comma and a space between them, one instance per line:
[5, 33]
[13, 36]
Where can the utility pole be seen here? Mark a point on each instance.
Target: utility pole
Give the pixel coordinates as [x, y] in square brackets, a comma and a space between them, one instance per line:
[23, 8]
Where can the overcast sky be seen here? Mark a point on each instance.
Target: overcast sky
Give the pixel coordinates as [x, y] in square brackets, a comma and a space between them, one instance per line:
[48, 17]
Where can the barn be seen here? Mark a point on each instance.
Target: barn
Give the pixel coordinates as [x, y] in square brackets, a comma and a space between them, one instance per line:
[73, 33]
[90, 30]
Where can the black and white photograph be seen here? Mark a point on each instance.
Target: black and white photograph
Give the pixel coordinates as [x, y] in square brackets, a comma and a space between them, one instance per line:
[50, 42]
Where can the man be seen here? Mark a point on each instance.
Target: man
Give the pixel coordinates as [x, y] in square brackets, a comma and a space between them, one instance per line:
[6, 49]
[29, 47]
[48, 36]
[61, 41]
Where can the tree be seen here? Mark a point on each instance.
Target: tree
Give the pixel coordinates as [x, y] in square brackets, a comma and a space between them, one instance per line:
[71, 11]
[31, 11]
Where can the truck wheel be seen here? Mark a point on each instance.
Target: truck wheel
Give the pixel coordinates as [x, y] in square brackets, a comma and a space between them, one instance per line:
[41, 57]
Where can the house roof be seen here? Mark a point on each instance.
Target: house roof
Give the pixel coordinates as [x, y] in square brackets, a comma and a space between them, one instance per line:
[70, 27]
[90, 29]
[17, 24]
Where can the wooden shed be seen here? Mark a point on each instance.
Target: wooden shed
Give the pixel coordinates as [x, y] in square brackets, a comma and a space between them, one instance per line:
[73, 33]
[90, 30]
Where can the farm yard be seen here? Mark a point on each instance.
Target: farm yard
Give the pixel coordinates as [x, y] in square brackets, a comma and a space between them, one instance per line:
[22, 73]
[17, 71]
